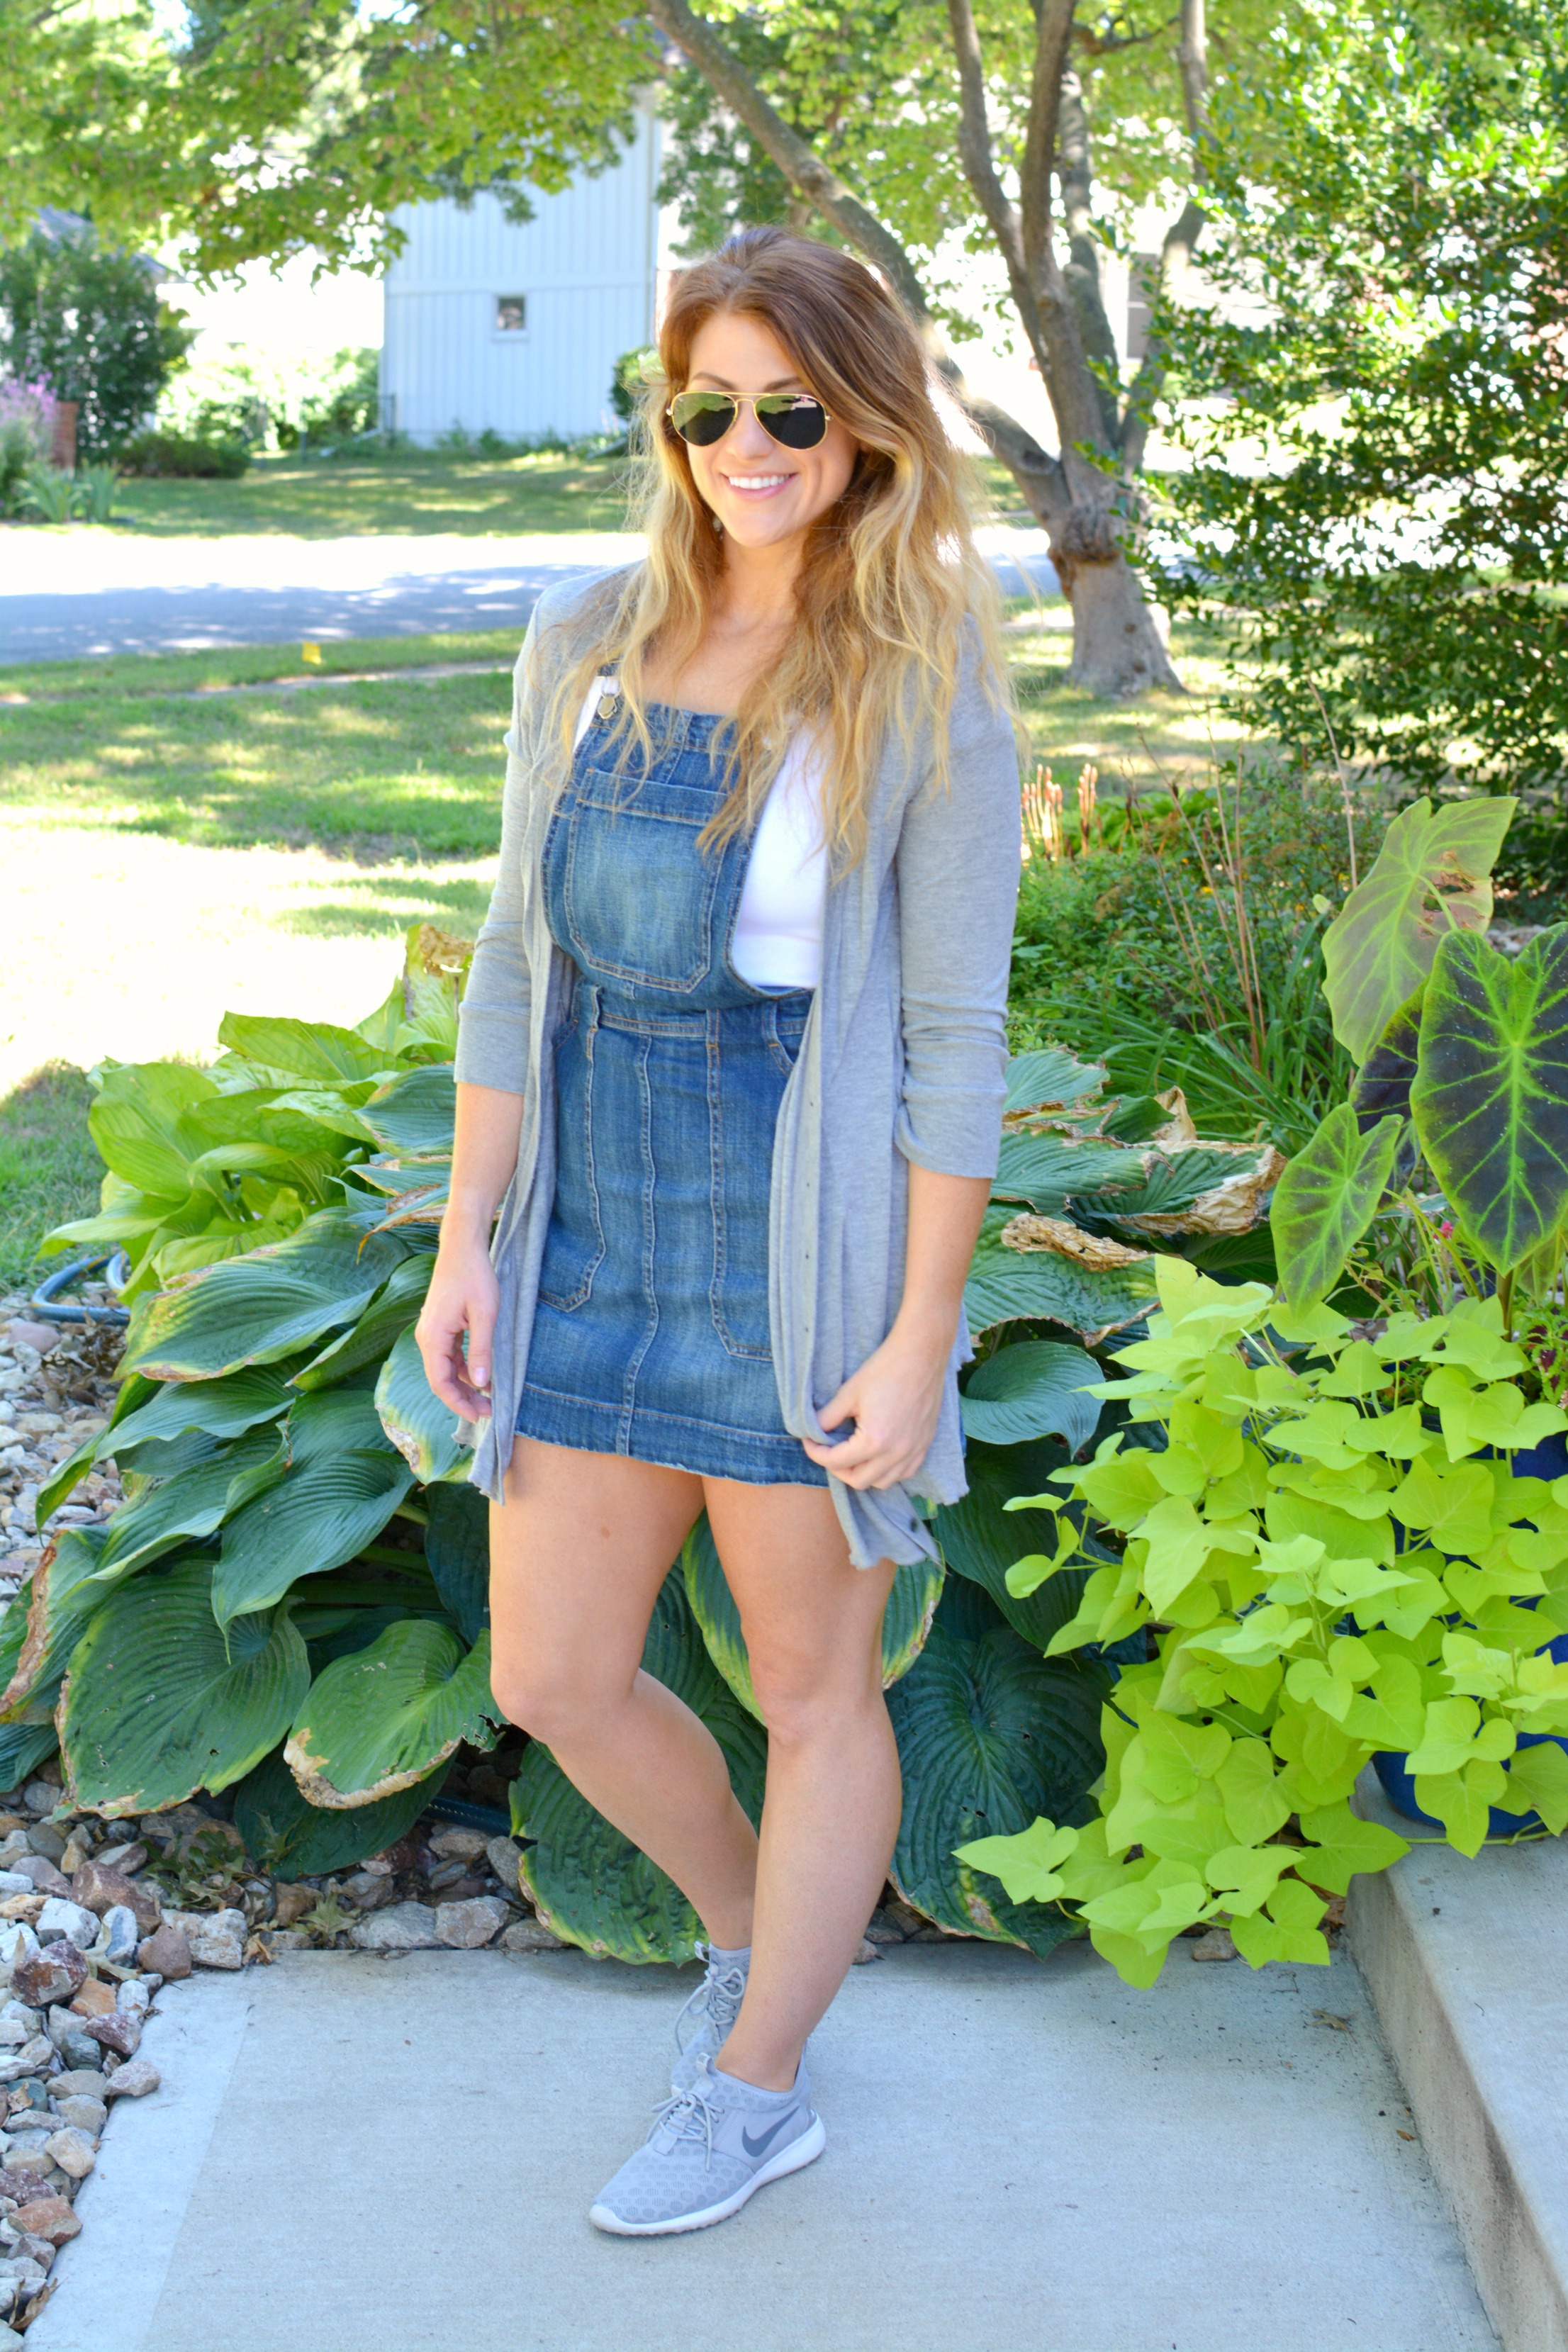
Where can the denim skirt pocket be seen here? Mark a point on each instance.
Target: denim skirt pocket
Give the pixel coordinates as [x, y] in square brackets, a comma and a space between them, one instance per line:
[575, 1248]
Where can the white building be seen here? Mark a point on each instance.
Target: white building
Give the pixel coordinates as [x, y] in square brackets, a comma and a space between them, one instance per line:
[516, 327]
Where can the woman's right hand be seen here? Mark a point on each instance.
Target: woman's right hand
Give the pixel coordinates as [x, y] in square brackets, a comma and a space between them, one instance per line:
[462, 1297]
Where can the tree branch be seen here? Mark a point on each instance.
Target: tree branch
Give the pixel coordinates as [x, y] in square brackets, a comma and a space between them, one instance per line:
[799, 164]
[1052, 32]
[1075, 168]
[1181, 239]
[1037, 473]
[1192, 61]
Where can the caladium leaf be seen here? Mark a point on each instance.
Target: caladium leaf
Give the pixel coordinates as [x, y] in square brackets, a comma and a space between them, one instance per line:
[1491, 1094]
[1325, 1201]
[1033, 1390]
[258, 1308]
[387, 1715]
[906, 1621]
[159, 1703]
[1432, 876]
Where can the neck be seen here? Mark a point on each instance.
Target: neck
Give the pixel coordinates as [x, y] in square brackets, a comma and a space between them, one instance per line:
[757, 589]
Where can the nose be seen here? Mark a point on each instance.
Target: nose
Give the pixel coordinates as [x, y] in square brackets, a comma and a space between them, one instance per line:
[748, 440]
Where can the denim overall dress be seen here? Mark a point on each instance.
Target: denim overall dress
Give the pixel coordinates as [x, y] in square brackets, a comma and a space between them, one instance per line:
[650, 1337]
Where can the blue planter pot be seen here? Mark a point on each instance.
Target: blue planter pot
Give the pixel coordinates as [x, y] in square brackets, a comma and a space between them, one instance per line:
[1548, 1460]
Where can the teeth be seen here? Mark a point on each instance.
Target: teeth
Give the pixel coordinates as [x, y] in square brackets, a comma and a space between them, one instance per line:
[755, 481]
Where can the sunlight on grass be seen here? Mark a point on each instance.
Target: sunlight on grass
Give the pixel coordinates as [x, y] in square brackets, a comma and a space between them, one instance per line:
[411, 491]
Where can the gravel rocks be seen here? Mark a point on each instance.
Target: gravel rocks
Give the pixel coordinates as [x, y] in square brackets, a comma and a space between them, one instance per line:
[122, 2034]
[403, 1927]
[104, 1889]
[61, 1916]
[53, 1972]
[119, 1937]
[216, 1939]
[74, 2150]
[166, 1952]
[51, 2218]
[468, 1925]
[530, 1935]
[133, 2080]
[87, 2115]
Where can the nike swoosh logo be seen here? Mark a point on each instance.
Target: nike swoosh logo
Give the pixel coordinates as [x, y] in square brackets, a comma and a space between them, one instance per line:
[761, 2147]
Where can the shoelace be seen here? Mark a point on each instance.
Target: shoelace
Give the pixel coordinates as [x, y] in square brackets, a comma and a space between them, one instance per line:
[688, 2114]
[719, 1996]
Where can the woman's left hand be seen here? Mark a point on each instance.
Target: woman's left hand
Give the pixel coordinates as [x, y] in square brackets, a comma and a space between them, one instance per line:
[893, 1400]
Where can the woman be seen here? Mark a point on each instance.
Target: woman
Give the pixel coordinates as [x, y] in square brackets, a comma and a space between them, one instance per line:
[733, 1050]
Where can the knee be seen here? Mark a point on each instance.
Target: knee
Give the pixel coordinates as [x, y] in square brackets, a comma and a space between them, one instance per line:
[802, 1703]
[546, 1699]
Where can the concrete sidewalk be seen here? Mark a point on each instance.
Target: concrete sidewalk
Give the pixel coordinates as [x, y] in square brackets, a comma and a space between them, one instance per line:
[72, 594]
[353, 2155]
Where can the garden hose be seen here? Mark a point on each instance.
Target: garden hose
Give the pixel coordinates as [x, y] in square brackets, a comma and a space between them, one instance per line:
[43, 1301]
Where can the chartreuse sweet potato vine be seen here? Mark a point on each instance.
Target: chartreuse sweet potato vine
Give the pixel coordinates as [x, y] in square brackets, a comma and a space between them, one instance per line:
[1326, 1535]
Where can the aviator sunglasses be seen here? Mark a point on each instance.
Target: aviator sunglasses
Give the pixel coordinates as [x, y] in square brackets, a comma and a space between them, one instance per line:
[795, 420]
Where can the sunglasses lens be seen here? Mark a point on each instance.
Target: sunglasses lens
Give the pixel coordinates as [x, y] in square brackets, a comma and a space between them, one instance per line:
[703, 417]
[794, 419]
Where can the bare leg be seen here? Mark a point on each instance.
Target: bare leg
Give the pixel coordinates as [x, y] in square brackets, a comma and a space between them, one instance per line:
[577, 1556]
[812, 1627]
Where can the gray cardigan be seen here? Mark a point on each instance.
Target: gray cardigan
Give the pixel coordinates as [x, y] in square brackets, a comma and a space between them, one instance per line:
[903, 1059]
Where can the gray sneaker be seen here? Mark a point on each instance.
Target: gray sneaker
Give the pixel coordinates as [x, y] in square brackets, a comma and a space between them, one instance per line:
[712, 2146]
[703, 2026]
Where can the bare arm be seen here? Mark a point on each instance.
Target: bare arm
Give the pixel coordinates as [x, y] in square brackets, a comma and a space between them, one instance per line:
[462, 1294]
[896, 1395]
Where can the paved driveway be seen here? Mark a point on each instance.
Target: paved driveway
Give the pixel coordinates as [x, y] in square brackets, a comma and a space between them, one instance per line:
[65, 594]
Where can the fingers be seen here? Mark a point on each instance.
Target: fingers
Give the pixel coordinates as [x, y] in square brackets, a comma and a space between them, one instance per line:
[455, 1381]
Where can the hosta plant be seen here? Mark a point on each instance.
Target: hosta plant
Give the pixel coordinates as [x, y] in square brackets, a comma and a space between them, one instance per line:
[1324, 1543]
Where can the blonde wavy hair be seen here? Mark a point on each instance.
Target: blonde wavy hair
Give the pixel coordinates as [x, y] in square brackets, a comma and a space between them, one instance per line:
[892, 592]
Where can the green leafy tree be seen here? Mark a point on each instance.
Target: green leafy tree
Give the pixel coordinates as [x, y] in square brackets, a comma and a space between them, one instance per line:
[1378, 502]
[89, 322]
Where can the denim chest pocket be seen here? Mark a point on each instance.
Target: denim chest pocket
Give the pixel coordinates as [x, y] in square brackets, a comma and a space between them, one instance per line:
[637, 900]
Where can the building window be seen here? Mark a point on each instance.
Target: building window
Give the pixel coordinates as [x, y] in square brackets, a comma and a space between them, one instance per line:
[512, 314]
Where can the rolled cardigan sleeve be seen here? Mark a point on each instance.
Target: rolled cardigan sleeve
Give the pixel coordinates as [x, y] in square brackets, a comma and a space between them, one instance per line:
[958, 860]
[492, 1022]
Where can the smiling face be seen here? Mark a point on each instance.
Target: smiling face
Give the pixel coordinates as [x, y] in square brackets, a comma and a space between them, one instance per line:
[764, 494]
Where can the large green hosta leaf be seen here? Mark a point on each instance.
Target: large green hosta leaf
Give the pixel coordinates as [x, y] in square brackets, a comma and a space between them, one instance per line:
[1033, 1390]
[414, 1114]
[367, 1341]
[192, 1503]
[141, 1123]
[991, 1735]
[222, 1408]
[1325, 1199]
[457, 1554]
[258, 1308]
[1041, 1287]
[1490, 1095]
[342, 1484]
[1048, 1170]
[294, 1840]
[1432, 874]
[378, 1721]
[1049, 1079]
[305, 1049]
[45, 1623]
[423, 1429]
[980, 1539]
[906, 1621]
[159, 1703]
[588, 1881]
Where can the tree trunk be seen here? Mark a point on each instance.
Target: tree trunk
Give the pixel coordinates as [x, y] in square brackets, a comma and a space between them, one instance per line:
[1118, 648]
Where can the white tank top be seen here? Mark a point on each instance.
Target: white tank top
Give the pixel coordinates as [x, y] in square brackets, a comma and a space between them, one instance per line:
[778, 925]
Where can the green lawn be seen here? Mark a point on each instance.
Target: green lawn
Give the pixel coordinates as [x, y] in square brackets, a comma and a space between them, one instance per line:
[359, 804]
[49, 1169]
[414, 491]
